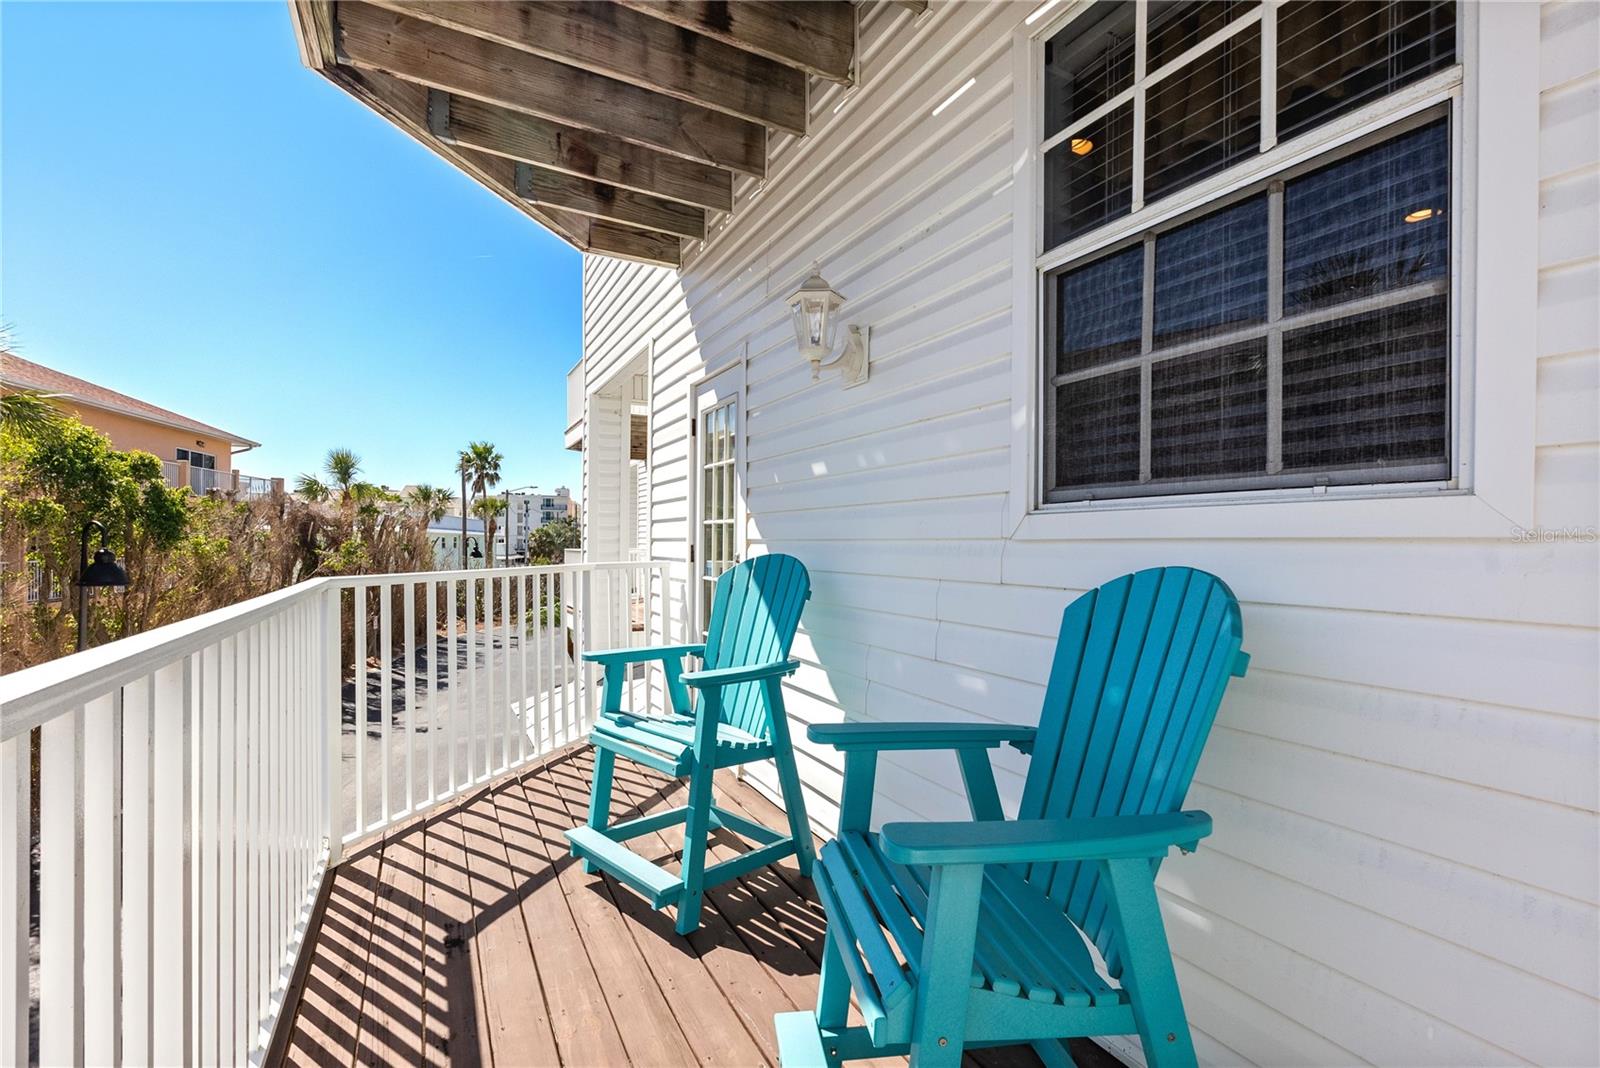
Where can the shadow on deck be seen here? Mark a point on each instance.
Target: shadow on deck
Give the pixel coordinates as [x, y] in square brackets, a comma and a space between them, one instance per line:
[470, 936]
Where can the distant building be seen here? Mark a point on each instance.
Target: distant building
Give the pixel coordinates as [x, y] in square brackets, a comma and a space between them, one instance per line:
[192, 453]
[527, 512]
[445, 537]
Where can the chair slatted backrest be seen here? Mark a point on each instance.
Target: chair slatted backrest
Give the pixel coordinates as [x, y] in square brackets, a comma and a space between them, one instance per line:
[755, 611]
[1140, 668]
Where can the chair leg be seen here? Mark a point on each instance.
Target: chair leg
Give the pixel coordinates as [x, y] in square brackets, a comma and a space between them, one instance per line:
[696, 829]
[833, 989]
[794, 806]
[1147, 972]
[939, 1027]
[794, 802]
[599, 798]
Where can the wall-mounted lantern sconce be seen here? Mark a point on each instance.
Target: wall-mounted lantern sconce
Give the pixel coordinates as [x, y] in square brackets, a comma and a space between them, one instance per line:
[815, 308]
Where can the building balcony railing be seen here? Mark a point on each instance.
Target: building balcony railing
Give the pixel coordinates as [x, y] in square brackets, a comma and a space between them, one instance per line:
[196, 785]
[204, 480]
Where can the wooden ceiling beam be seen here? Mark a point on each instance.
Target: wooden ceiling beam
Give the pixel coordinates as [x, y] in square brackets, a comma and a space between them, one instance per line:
[816, 36]
[602, 201]
[406, 105]
[610, 40]
[460, 120]
[416, 51]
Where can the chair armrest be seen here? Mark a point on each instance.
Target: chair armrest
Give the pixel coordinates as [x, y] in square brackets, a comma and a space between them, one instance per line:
[643, 652]
[1033, 841]
[876, 736]
[718, 677]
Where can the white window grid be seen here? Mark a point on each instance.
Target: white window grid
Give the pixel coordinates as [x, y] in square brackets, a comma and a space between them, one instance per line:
[1369, 124]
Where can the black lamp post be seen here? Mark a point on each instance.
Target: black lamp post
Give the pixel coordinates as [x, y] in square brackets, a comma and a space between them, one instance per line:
[105, 571]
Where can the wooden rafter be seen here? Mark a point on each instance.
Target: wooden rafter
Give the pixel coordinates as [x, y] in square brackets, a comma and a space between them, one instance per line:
[816, 36]
[406, 105]
[613, 41]
[583, 153]
[372, 38]
[616, 124]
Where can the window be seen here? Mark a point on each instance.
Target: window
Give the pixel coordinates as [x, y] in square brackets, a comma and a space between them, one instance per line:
[197, 459]
[1293, 330]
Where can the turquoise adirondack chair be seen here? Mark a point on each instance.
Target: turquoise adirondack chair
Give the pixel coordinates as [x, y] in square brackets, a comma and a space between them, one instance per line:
[737, 718]
[986, 913]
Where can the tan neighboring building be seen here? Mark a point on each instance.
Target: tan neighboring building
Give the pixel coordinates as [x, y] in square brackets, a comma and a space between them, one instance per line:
[192, 453]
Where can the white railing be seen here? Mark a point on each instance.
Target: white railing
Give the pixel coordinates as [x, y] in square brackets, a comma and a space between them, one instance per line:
[204, 480]
[252, 486]
[195, 784]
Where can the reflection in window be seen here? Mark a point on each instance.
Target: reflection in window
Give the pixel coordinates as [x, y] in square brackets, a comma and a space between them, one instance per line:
[1088, 178]
[1101, 309]
[1208, 414]
[1097, 430]
[1370, 391]
[1205, 116]
[1087, 64]
[1335, 57]
[1211, 274]
[1371, 223]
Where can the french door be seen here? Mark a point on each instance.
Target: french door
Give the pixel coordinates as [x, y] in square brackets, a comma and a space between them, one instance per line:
[718, 448]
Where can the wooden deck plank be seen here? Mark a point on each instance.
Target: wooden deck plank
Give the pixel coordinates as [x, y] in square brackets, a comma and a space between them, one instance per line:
[580, 1018]
[328, 1003]
[451, 989]
[715, 1031]
[648, 1027]
[515, 1021]
[392, 1004]
[431, 941]
[750, 986]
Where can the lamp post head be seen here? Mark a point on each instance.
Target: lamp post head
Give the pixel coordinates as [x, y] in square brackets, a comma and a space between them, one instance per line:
[105, 571]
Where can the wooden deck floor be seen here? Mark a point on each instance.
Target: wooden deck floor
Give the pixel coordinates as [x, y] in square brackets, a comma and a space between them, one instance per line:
[472, 937]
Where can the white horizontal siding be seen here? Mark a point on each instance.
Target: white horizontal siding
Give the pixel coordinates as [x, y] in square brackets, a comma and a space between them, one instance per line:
[1405, 863]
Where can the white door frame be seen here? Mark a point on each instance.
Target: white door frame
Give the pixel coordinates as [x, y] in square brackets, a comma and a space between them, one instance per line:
[714, 391]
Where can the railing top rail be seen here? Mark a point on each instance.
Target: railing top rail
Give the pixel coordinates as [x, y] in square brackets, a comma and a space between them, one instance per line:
[345, 582]
[37, 694]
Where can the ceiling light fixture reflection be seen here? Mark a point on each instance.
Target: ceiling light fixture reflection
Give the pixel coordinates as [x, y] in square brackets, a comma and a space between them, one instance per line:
[1081, 146]
[1420, 215]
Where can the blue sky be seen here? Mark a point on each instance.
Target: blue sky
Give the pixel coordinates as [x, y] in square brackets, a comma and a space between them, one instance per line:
[190, 216]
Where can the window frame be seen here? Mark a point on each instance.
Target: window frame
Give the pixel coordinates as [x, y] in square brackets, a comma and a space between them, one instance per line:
[1492, 97]
[1270, 186]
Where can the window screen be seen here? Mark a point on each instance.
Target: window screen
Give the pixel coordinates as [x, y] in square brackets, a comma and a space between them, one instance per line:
[1297, 336]
[1295, 332]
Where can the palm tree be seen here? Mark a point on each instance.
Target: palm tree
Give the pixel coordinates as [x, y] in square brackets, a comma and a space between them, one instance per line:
[29, 413]
[342, 467]
[431, 501]
[311, 488]
[482, 461]
[489, 510]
